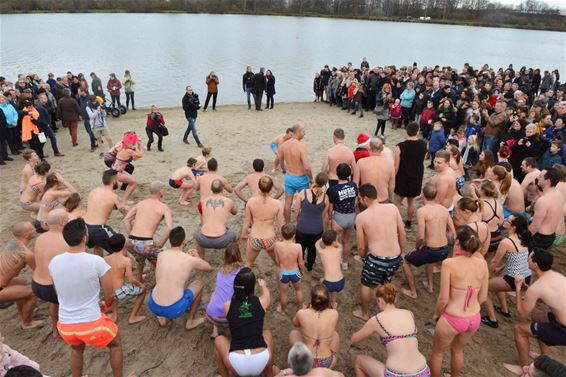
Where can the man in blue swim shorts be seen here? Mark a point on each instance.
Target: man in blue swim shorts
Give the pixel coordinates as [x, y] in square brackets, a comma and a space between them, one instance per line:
[295, 165]
[435, 230]
[171, 297]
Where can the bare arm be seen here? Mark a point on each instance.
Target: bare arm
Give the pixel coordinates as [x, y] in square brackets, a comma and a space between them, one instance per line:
[482, 295]
[356, 177]
[360, 238]
[168, 217]
[450, 231]
[365, 332]
[391, 184]
[401, 232]
[444, 295]
[234, 209]
[325, 217]
[281, 151]
[201, 265]
[279, 190]
[265, 298]
[131, 215]
[325, 165]
[227, 186]
[526, 306]
[247, 223]
[421, 230]
[501, 251]
[538, 217]
[305, 161]
[280, 218]
[397, 160]
[238, 189]
[298, 202]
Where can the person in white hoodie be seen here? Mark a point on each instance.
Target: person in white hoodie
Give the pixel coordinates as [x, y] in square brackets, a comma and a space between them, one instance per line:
[97, 116]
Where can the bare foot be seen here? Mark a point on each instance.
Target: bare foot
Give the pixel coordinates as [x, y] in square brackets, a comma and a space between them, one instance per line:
[184, 203]
[358, 314]
[31, 325]
[133, 374]
[162, 321]
[515, 369]
[429, 289]
[136, 319]
[194, 323]
[55, 333]
[280, 310]
[409, 293]
[358, 259]
[214, 332]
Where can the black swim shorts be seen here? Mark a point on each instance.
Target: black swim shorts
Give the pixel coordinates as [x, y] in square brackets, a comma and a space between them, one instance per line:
[98, 235]
[541, 241]
[427, 255]
[379, 270]
[44, 292]
[550, 333]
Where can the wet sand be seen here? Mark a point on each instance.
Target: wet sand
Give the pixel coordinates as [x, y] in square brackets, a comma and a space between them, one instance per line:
[237, 136]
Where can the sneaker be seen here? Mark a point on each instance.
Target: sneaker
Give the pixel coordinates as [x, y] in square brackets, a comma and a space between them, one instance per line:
[185, 141]
[344, 266]
[200, 146]
[488, 322]
[59, 154]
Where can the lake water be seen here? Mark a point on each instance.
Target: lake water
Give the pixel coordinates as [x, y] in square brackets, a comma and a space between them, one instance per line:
[166, 52]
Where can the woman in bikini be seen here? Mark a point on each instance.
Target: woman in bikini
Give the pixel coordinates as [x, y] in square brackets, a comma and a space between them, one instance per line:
[31, 195]
[514, 250]
[318, 329]
[457, 164]
[492, 210]
[510, 190]
[463, 288]
[55, 189]
[73, 206]
[469, 212]
[261, 212]
[29, 169]
[403, 356]
[129, 152]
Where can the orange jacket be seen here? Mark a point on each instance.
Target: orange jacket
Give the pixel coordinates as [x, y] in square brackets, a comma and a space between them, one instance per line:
[27, 125]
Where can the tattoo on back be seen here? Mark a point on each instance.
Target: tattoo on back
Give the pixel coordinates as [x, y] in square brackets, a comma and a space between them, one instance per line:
[215, 203]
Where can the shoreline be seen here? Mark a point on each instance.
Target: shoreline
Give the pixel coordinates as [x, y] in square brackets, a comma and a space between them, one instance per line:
[559, 27]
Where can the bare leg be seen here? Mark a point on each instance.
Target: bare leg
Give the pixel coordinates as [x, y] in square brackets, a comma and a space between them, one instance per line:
[275, 162]
[299, 293]
[333, 303]
[502, 302]
[134, 318]
[141, 265]
[283, 298]
[97, 250]
[335, 347]
[412, 291]
[366, 366]
[271, 347]
[457, 353]
[443, 336]
[116, 357]
[221, 348]
[410, 208]
[398, 201]
[114, 315]
[287, 208]
[54, 314]
[77, 360]
[131, 182]
[429, 283]
[196, 287]
[346, 244]
[251, 255]
[365, 296]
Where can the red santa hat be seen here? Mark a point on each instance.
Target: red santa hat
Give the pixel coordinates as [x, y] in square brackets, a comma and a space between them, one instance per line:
[363, 140]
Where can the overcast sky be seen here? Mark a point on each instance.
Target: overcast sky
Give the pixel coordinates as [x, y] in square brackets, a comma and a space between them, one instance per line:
[553, 3]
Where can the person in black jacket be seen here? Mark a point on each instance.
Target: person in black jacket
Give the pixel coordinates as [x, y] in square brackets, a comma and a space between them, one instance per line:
[44, 122]
[259, 88]
[248, 84]
[269, 89]
[191, 104]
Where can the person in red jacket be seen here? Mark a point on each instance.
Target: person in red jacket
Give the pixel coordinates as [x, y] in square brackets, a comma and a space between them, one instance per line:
[427, 119]
[155, 125]
[114, 85]
[362, 147]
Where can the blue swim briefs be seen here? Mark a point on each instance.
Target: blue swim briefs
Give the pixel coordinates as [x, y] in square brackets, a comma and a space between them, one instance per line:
[295, 184]
[334, 286]
[174, 310]
[292, 276]
[273, 147]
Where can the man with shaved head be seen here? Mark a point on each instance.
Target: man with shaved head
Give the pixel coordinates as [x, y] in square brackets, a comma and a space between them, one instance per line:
[216, 208]
[47, 246]
[142, 222]
[14, 256]
[377, 170]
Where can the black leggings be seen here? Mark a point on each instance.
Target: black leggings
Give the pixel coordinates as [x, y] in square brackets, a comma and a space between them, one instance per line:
[130, 97]
[307, 242]
[406, 115]
[269, 101]
[150, 131]
[213, 95]
[115, 99]
[380, 126]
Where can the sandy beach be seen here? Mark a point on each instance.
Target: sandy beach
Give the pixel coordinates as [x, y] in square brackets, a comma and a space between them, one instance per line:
[237, 136]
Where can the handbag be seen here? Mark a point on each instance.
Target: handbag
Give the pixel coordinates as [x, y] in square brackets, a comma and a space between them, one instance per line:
[42, 138]
[109, 158]
[163, 131]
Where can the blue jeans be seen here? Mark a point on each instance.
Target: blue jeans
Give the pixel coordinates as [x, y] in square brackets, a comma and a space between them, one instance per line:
[51, 135]
[250, 93]
[90, 135]
[490, 142]
[192, 126]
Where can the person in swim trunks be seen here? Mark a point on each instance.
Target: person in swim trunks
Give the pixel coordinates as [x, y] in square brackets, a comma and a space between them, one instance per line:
[121, 270]
[380, 244]
[274, 146]
[171, 297]
[330, 252]
[177, 180]
[290, 264]
[295, 166]
[300, 362]
[548, 210]
[200, 166]
[142, 222]
[213, 233]
[204, 182]
[435, 230]
[548, 328]
[78, 277]
[337, 155]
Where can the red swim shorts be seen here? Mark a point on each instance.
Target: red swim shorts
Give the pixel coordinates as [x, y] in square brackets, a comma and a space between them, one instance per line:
[199, 207]
[97, 333]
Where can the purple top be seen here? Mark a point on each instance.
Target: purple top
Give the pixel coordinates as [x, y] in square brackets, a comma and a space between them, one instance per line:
[223, 292]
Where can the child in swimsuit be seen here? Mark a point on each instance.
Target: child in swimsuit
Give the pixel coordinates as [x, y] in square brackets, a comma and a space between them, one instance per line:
[290, 263]
[200, 166]
[330, 253]
[125, 285]
[177, 180]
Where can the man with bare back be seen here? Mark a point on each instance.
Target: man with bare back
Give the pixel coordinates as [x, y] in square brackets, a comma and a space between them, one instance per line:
[548, 210]
[47, 246]
[252, 180]
[296, 167]
[101, 202]
[336, 155]
[142, 222]
[216, 209]
[380, 244]
[172, 297]
[205, 181]
[444, 180]
[435, 229]
[376, 170]
[14, 256]
[530, 191]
